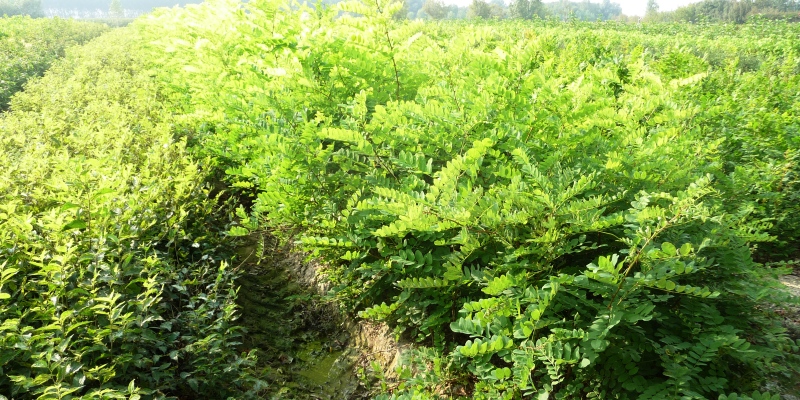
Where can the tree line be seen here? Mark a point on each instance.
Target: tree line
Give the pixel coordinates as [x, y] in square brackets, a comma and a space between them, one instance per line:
[36, 8]
[517, 9]
[21, 7]
[412, 9]
[735, 11]
[104, 4]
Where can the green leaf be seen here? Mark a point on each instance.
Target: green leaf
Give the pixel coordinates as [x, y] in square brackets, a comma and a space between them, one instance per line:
[668, 248]
[76, 224]
[6, 273]
[599, 344]
[453, 273]
[467, 326]
[102, 192]
[68, 206]
[499, 284]
[543, 395]
[238, 231]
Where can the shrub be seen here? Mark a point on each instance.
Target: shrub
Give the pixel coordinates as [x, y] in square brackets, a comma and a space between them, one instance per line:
[113, 282]
[542, 208]
[29, 46]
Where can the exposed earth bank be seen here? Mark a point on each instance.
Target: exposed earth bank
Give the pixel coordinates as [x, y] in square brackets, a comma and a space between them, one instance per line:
[310, 349]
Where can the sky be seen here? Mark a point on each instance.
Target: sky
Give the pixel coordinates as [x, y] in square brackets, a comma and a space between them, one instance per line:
[629, 7]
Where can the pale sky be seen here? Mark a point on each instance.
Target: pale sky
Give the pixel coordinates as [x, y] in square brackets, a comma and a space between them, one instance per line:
[629, 7]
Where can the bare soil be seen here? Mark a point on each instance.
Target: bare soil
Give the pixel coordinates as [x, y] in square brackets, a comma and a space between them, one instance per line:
[311, 348]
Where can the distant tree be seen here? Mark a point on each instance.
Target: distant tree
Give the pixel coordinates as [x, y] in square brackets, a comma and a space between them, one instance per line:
[115, 10]
[480, 9]
[520, 9]
[583, 10]
[609, 10]
[435, 9]
[413, 7]
[739, 11]
[732, 10]
[526, 9]
[777, 5]
[498, 8]
[652, 9]
[685, 14]
[560, 9]
[32, 8]
[403, 13]
[93, 5]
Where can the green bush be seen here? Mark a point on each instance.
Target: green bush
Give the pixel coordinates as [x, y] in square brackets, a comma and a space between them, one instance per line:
[566, 211]
[754, 114]
[29, 46]
[112, 277]
[548, 209]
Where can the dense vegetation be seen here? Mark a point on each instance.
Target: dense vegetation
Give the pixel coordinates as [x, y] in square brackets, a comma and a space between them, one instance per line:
[104, 4]
[529, 216]
[28, 47]
[736, 11]
[101, 9]
[545, 209]
[113, 282]
[585, 11]
[516, 9]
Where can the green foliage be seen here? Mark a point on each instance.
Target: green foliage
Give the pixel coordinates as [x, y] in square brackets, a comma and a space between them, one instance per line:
[29, 46]
[546, 211]
[480, 9]
[527, 9]
[734, 11]
[753, 396]
[582, 10]
[112, 278]
[434, 9]
[756, 121]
